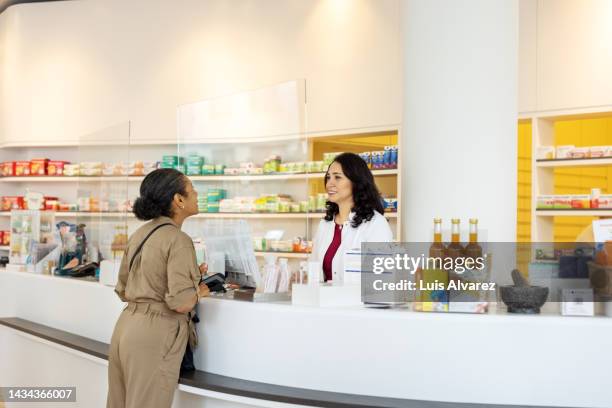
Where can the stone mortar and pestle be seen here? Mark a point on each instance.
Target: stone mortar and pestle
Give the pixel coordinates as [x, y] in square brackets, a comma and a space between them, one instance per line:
[522, 297]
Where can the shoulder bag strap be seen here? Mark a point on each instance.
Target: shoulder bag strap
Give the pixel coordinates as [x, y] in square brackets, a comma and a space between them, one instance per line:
[143, 242]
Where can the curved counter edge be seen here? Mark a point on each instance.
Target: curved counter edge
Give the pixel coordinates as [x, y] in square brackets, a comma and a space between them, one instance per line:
[234, 386]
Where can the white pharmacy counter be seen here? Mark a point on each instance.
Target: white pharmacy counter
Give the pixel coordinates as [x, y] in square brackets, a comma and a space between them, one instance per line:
[426, 359]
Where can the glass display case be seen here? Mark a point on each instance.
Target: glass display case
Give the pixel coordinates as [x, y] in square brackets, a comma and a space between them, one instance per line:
[29, 228]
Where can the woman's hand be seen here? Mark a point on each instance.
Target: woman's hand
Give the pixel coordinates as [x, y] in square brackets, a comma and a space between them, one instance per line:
[203, 269]
[203, 290]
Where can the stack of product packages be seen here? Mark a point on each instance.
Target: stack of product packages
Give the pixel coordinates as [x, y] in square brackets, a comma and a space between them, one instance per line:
[276, 277]
[210, 200]
[173, 162]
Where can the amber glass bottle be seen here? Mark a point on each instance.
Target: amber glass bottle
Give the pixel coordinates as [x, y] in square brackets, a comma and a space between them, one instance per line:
[437, 248]
[454, 248]
[473, 248]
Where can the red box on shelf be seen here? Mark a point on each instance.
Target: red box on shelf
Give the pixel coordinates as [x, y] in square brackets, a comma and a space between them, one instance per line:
[56, 167]
[12, 203]
[6, 238]
[22, 168]
[50, 203]
[8, 169]
[38, 167]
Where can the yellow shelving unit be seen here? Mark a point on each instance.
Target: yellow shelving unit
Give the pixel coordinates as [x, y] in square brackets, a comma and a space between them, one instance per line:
[581, 128]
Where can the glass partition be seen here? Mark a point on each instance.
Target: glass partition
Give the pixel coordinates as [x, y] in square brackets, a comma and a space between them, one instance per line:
[96, 223]
[248, 157]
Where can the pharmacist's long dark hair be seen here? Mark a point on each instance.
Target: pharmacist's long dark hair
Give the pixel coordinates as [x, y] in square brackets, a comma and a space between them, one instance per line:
[366, 196]
[157, 192]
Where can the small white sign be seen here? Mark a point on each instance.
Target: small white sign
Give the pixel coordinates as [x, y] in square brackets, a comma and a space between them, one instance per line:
[602, 230]
[577, 302]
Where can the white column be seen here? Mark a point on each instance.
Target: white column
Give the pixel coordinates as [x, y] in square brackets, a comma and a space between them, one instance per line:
[460, 115]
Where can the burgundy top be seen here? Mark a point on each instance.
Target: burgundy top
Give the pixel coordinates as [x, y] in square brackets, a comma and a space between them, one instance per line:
[331, 252]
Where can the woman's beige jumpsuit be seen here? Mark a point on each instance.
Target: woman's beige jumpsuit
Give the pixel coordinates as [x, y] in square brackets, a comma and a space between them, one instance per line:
[150, 338]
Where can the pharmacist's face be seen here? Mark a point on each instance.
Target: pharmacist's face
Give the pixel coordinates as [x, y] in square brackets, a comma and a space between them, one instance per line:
[339, 188]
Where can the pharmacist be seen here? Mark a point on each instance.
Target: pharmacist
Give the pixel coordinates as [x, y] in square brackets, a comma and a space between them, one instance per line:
[354, 215]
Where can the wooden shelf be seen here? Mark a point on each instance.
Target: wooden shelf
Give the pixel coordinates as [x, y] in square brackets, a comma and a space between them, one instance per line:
[575, 213]
[554, 163]
[262, 177]
[291, 255]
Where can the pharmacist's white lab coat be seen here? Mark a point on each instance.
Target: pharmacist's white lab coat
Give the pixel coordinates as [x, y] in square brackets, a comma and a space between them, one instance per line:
[375, 230]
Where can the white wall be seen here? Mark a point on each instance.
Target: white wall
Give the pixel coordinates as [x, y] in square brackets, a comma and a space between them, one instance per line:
[572, 59]
[71, 68]
[528, 69]
[459, 119]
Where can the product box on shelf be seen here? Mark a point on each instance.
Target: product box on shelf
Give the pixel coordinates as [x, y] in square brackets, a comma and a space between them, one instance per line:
[564, 152]
[140, 168]
[8, 169]
[314, 166]
[91, 169]
[13, 203]
[390, 204]
[172, 159]
[272, 164]
[195, 160]
[193, 165]
[51, 205]
[579, 153]
[43, 203]
[72, 170]
[595, 193]
[563, 202]
[219, 168]
[545, 152]
[598, 151]
[38, 167]
[394, 155]
[115, 169]
[581, 201]
[329, 157]
[6, 238]
[56, 167]
[545, 202]
[367, 157]
[193, 170]
[22, 168]
[208, 169]
[605, 201]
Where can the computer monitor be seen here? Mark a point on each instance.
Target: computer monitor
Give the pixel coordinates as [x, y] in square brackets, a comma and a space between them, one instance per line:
[229, 250]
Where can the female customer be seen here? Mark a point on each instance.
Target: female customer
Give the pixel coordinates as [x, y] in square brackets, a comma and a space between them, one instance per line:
[158, 279]
[354, 214]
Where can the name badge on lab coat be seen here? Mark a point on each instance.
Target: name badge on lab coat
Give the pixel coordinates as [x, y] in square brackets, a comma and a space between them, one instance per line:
[352, 267]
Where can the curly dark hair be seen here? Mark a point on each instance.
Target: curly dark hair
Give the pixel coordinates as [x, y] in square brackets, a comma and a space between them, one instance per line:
[366, 196]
